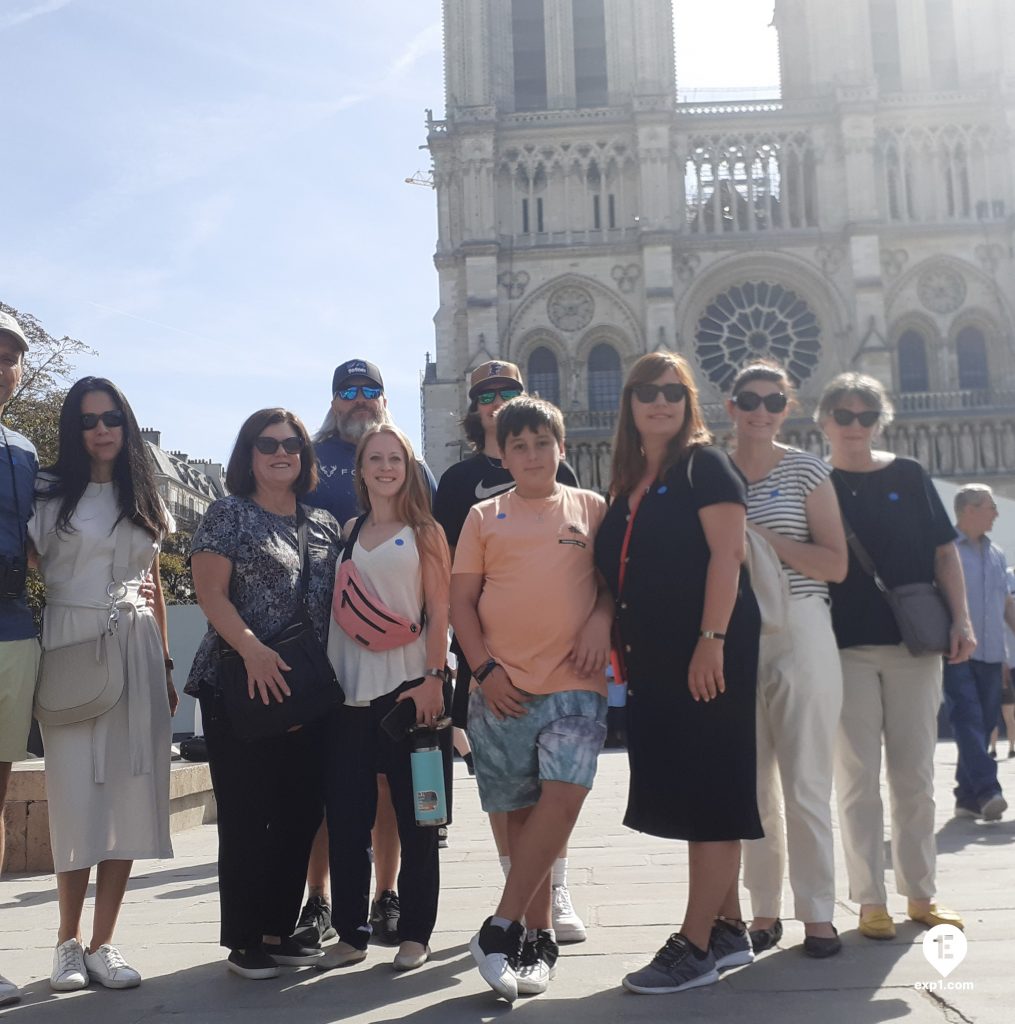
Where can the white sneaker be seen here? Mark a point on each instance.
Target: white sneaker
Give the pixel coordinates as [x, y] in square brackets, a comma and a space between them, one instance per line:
[108, 968]
[69, 971]
[410, 955]
[538, 964]
[9, 992]
[567, 925]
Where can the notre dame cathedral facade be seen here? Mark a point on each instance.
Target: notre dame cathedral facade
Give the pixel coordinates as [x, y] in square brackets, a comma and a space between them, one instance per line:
[864, 220]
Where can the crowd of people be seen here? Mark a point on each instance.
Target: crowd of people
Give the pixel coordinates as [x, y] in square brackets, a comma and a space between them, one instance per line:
[746, 602]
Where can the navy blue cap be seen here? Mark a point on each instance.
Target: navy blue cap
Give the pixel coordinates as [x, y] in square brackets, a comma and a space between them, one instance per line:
[356, 368]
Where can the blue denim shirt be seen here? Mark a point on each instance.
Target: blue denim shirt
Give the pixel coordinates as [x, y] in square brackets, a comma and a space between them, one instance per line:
[986, 572]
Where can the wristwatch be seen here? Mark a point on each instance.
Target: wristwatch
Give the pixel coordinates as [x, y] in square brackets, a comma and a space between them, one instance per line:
[485, 670]
[170, 663]
[711, 634]
[437, 673]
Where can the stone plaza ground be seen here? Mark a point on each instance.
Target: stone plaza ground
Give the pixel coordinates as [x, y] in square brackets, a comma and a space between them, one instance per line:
[630, 890]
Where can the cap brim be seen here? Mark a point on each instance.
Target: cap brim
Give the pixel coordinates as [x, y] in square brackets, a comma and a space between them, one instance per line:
[357, 376]
[495, 382]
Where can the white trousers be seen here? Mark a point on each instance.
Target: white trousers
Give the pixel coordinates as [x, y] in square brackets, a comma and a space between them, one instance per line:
[799, 698]
[888, 693]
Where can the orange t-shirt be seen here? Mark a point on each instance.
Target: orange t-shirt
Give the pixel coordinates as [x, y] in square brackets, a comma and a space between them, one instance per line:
[539, 582]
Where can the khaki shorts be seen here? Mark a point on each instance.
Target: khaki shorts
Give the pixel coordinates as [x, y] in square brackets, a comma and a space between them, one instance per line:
[19, 666]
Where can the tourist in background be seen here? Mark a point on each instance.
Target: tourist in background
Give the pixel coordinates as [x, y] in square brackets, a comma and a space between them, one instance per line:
[269, 792]
[792, 504]
[889, 696]
[671, 548]
[107, 778]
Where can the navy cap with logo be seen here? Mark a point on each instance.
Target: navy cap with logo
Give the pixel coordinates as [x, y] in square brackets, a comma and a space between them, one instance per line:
[356, 368]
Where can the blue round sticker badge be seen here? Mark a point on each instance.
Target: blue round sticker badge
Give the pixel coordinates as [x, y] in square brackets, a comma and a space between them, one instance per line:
[662, 490]
[893, 496]
[502, 515]
[399, 542]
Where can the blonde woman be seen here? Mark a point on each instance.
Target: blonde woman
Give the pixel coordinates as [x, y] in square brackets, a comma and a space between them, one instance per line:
[401, 554]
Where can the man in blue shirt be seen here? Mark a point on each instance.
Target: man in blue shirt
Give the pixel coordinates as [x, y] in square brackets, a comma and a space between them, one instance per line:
[19, 648]
[973, 688]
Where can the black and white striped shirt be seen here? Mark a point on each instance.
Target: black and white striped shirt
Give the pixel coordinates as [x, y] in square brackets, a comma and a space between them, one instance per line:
[779, 501]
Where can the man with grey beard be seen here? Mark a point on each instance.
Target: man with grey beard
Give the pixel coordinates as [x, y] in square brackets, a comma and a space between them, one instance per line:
[358, 403]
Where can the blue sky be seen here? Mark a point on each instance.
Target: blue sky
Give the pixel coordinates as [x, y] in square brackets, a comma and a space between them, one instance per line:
[211, 194]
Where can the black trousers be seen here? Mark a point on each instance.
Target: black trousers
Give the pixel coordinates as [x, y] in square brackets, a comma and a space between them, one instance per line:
[270, 796]
[357, 752]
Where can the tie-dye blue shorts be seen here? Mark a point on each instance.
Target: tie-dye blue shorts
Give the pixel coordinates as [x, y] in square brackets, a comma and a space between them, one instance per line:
[557, 740]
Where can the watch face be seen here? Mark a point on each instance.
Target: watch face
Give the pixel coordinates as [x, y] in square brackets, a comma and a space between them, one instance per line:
[570, 308]
[941, 289]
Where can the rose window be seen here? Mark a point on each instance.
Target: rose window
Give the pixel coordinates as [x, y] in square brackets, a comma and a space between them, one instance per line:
[753, 320]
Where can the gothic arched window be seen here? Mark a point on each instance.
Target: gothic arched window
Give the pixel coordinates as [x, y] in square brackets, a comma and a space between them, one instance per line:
[913, 375]
[971, 349]
[604, 379]
[543, 375]
[885, 50]
[528, 32]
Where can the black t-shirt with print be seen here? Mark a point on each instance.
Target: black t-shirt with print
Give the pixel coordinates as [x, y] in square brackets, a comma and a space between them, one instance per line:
[474, 480]
[898, 517]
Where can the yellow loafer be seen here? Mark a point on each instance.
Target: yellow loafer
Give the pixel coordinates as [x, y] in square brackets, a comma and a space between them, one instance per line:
[877, 925]
[936, 915]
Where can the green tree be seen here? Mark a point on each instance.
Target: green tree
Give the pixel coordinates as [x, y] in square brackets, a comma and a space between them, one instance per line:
[174, 569]
[34, 409]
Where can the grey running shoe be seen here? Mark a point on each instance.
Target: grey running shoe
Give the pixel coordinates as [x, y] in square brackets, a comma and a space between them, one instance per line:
[730, 946]
[673, 969]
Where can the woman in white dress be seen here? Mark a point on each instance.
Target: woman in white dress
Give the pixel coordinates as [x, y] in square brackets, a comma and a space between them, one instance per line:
[107, 778]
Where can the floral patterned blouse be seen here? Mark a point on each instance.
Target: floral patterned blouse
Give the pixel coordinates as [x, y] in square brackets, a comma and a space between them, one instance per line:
[264, 585]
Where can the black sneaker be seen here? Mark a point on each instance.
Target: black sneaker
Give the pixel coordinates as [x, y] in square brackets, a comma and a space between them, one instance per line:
[314, 925]
[290, 953]
[384, 914]
[538, 963]
[497, 953]
[252, 963]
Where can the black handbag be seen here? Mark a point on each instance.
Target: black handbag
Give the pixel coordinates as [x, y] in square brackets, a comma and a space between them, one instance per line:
[315, 690]
[920, 611]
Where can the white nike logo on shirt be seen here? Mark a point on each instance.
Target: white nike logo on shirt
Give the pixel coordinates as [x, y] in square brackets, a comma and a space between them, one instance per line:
[488, 492]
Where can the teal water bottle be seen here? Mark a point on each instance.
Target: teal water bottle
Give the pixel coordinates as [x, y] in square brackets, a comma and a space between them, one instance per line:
[429, 799]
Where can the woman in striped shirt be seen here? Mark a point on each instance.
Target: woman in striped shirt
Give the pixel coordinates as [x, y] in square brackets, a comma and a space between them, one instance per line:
[792, 504]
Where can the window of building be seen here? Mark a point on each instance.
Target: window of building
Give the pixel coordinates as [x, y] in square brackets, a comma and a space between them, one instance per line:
[884, 22]
[597, 216]
[525, 216]
[528, 31]
[543, 375]
[913, 375]
[611, 206]
[971, 349]
[944, 61]
[604, 379]
[590, 81]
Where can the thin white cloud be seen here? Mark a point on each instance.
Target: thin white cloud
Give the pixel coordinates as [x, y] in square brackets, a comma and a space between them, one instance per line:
[28, 12]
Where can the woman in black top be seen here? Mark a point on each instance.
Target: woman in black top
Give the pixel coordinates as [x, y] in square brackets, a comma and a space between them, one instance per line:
[671, 549]
[270, 792]
[891, 505]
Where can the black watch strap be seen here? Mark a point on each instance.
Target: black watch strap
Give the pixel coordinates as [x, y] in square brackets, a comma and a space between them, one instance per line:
[485, 670]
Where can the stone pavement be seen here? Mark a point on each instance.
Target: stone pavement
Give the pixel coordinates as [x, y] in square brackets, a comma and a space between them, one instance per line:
[630, 890]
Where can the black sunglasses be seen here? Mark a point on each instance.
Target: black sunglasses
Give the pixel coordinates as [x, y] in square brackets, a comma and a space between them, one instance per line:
[269, 445]
[748, 401]
[111, 418]
[488, 397]
[648, 393]
[867, 418]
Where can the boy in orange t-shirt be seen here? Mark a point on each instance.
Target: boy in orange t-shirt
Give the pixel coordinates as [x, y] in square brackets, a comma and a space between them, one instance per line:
[531, 615]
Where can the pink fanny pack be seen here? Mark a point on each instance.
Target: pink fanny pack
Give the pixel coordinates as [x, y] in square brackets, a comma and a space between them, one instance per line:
[361, 614]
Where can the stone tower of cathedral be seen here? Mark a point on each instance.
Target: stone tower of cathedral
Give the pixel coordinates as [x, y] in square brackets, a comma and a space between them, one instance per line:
[865, 219]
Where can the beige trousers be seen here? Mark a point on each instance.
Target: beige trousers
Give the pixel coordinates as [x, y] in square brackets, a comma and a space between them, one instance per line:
[888, 693]
[799, 696]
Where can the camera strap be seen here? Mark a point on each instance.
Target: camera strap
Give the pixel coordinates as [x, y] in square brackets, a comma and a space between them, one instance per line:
[14, 487]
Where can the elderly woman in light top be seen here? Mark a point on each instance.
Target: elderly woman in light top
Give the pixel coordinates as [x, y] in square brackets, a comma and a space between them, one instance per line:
[792, 504]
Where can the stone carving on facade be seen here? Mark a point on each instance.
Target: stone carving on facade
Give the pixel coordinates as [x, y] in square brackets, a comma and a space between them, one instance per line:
[570, 308]
[893, 261]
[685, 265]
[756, 319]
[514, 283]
[941, 289]
[830, 258]
[990, 257]
[626, 276]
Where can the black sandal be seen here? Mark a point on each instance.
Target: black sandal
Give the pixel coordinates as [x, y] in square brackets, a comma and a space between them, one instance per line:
[766, 938]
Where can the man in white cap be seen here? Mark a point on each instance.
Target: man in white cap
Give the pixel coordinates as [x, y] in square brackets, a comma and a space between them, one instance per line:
[19, 647]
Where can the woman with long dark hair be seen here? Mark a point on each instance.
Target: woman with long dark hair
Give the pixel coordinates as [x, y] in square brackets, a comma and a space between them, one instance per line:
[671, 549]
[96, 531]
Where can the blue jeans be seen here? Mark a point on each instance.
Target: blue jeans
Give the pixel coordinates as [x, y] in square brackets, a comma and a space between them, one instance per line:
[972, 696]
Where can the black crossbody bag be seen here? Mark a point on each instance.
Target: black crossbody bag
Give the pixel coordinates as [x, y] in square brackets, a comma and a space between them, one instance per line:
[315, 690]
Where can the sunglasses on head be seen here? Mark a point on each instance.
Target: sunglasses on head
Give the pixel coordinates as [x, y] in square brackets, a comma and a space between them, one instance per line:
[748, 401]
[111, 418]
[488, 397]
[368, 391]
[269, 445]
[648, 393]
[867, 418]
